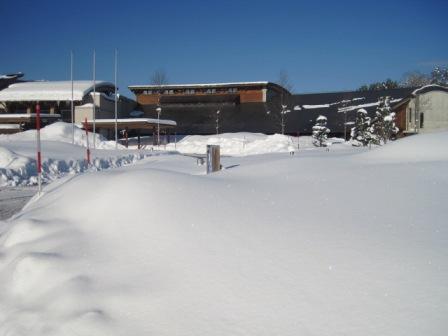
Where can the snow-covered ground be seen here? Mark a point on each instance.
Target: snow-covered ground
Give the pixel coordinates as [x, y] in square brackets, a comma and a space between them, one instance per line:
[242, 144]
[60, 155]
[345, 242]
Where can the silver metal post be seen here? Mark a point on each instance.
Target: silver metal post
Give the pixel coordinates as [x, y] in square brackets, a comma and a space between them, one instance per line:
[72, 107]
[116, 107]
[94, 99]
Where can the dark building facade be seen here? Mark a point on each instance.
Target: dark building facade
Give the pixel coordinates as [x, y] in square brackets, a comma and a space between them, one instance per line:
[255, 107]
[248, 106]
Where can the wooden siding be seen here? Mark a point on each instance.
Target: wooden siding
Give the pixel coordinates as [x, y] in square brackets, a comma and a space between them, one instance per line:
[251, 96]
[145, 99]
[400, 120]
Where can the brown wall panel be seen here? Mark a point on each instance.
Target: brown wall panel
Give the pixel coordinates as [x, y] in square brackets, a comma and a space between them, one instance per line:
[251, 96]
[148, 99]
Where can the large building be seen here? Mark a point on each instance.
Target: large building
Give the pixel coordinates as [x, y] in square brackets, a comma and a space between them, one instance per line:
[256, 107]
[247, 106]
[18, 102]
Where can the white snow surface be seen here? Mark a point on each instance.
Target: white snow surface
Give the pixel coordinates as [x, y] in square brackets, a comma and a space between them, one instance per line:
[319, 243]
[242, 144]
[59, 155]
[49, 90]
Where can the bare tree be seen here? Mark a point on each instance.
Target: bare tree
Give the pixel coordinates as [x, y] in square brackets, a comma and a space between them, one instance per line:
[283, 80]
[159, 77]
[414, 79]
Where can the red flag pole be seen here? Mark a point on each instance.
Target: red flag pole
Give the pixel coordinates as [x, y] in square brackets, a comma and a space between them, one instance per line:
[39, 157]
[86, 127]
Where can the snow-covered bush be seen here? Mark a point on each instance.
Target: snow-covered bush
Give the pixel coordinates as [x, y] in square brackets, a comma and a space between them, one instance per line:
[382, 127]
[320, 132]
[360, 133]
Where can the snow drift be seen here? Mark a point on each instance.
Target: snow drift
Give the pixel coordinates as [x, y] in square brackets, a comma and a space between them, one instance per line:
[322, 243]
[243, 144]
[62, 132]
[60, 156]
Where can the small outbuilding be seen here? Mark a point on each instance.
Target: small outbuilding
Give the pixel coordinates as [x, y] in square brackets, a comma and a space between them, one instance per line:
[425, 109]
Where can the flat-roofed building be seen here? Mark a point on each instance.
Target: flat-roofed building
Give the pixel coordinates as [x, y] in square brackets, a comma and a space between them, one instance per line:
[242, 106]
[55, 98]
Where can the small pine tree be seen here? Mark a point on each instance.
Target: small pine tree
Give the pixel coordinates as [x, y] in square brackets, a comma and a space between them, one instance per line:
[390, 129]
[320, 132]
[360, 134]
[383, 126]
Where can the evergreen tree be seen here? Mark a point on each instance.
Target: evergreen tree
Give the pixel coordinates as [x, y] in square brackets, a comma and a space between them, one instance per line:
[383, 126]
[360, 133]
[320, 132]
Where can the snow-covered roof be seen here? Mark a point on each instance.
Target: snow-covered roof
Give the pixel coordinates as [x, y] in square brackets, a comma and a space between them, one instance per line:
[50, 90]
[429, 87]
[151, 121]
[203, 85]
[25, 116]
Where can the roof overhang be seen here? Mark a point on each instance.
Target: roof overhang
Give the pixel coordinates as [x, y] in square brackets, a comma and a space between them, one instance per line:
[132, 123]
[256, 84]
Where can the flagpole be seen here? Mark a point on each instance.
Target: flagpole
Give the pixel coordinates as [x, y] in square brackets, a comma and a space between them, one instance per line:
[116, 121]
[72, 107]
[94, 99]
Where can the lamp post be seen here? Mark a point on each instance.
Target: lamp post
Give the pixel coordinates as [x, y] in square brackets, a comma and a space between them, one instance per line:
[159, 111]
[217, 122]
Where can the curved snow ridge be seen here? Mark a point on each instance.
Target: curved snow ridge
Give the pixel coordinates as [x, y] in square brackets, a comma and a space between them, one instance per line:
[64, 132]
[422, 147]
[33, 252]
[17, 170]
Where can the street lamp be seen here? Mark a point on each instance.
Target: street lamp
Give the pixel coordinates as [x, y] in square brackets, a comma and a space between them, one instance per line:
[159, 111]
[217, 122]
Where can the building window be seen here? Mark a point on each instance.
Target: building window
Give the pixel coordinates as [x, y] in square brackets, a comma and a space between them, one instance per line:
[422, 119]
[189, 91]
[410, 116]
[232, 90]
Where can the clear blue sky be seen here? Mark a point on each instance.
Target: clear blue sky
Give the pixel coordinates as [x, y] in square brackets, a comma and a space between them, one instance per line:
[323, 45]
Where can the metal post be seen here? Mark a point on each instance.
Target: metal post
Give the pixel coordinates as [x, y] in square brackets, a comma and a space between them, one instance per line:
[116, 107]
[39, 158]
[217, 122]
[345, 126]
[86, 127]
[175, 140]
[213, 158]
[298, 140]
[159, 111]
[72, 107]
[94, 99]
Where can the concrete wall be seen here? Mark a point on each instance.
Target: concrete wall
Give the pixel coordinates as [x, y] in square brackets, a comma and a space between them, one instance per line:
[105, 108]
[433, 106]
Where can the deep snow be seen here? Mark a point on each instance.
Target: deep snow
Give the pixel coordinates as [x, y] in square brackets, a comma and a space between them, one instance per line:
[60, 156]
[349, 242]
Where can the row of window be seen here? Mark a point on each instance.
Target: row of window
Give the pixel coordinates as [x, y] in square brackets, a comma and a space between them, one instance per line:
[190, 91]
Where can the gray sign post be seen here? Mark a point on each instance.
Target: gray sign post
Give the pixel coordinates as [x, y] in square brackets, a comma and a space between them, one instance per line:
[213, 158]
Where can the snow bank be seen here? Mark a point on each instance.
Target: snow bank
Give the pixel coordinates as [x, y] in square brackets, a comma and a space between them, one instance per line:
[414, 148]
[61, 131]
[59, 155]
[243, 144]
[314, 244]
[18, 170]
